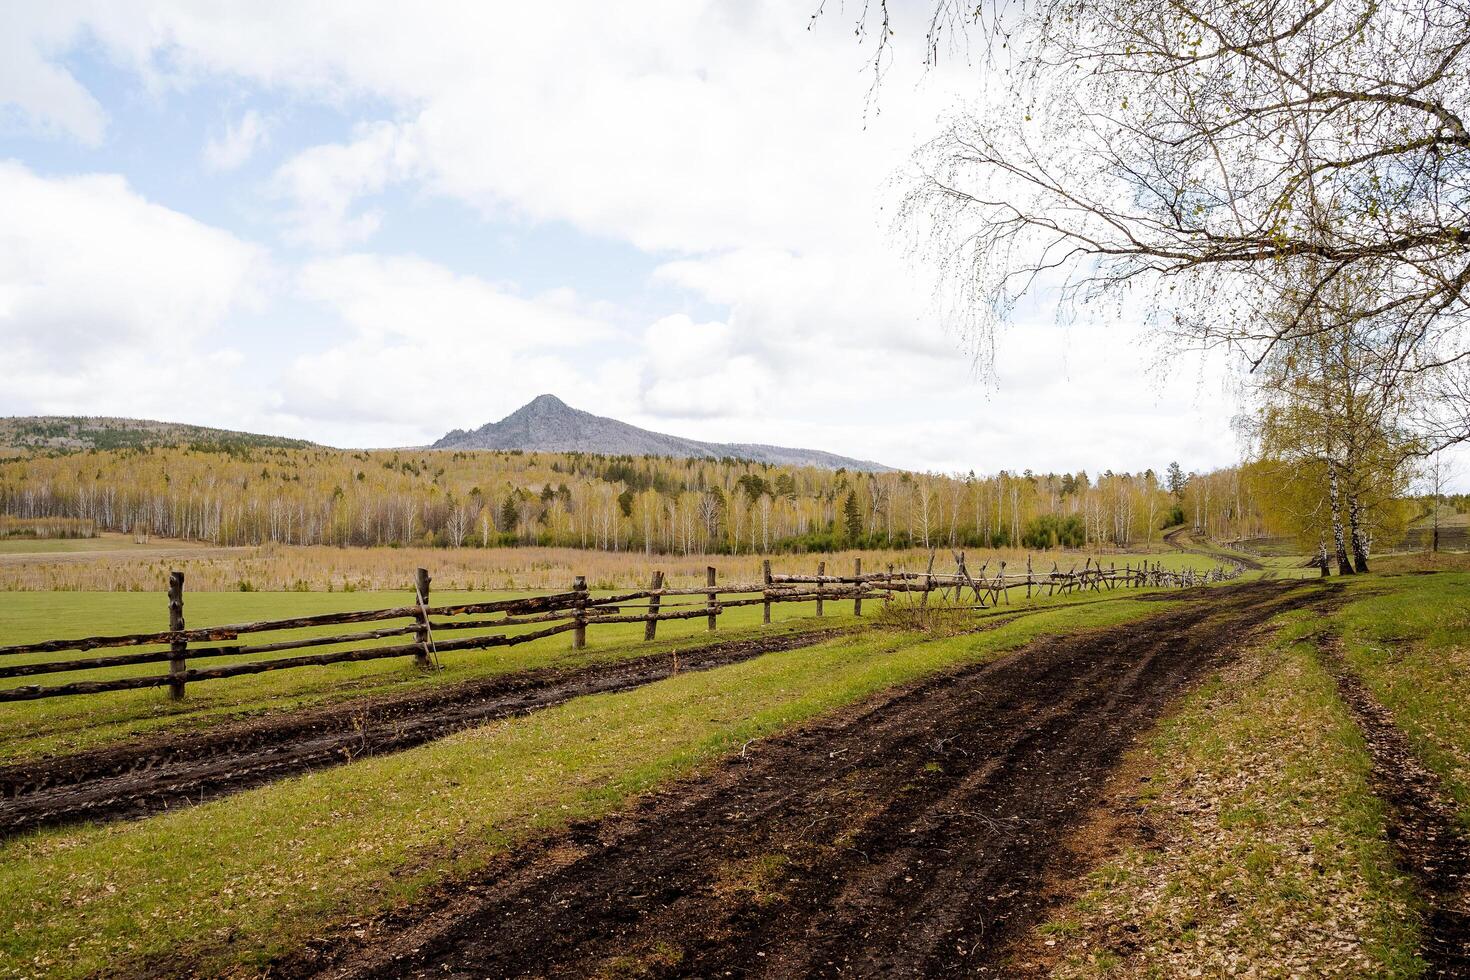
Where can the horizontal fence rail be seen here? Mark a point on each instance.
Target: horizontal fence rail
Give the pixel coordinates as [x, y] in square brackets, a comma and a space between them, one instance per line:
[573, 611]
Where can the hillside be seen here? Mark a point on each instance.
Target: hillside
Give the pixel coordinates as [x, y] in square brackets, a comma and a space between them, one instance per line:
[72, 433]
[547, 424]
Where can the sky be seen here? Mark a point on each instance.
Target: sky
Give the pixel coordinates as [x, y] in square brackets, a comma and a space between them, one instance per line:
[365, 224]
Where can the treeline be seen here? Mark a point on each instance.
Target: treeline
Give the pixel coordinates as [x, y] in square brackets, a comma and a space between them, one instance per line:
[615, 503]
[70, 433]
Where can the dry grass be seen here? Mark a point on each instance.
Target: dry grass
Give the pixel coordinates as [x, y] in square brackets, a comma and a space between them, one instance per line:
[317, 568]
[1267, 857]
[1424, 561]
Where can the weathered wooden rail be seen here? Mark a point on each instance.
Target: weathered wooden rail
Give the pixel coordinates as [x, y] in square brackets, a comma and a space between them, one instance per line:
[423, 627]
[574, 611]
[992, 589]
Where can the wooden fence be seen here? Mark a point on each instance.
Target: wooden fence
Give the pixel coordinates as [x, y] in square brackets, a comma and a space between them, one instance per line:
[424, 631]
[990, 590]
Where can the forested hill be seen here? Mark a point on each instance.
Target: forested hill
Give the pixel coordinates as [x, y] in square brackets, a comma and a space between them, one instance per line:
[548, 424]
[72, 433]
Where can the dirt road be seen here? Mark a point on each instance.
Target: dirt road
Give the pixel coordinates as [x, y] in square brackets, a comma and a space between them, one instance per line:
[1182, 539]
[907, 837]
[176, 770]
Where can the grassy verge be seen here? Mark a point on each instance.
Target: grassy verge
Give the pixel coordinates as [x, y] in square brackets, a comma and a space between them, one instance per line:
[1267, 856]
[1408, 638]
[230, 883]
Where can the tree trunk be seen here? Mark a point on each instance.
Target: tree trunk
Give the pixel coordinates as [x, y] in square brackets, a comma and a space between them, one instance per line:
[1360, 544]
[1344, 567]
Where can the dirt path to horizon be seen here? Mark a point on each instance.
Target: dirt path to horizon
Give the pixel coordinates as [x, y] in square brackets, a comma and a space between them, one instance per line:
[907, 836]
[1182, 539]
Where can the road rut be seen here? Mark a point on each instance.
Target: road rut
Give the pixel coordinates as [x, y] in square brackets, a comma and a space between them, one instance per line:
[909, 836]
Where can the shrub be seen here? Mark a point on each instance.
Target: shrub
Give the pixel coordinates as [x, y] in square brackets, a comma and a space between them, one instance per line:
[1049, 531]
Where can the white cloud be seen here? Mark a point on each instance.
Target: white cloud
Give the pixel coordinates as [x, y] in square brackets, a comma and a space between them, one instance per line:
[699, 371]
[428, 349]
[723, 138]
[684, 126]
[108, 302]
[34, 86]
[87, 267]
[239, 142]
[323, 184]
[403, 298]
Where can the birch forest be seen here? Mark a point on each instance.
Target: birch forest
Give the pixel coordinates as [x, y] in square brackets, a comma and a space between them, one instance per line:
[227, 495]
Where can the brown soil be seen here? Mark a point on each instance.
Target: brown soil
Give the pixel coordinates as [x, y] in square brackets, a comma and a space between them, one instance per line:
[1118, 820]
[174, 770]
[910, 836]
[1427, 840]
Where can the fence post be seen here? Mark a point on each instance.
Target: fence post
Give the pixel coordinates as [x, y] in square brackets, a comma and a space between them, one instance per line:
[421, 634]
[1028, 574]
[766, 592]
[651, 627]
[176, 663]
[857, 584]
[821, 570]
[709, 581]
[579, 612]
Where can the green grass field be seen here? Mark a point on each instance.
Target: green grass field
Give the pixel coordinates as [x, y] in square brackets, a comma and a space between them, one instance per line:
[231, 883]
[47, 726]
[1267, 839]
[239, 879]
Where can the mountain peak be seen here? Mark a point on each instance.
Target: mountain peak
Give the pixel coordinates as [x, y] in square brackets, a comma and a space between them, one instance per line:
[545, 403]
[548, 424]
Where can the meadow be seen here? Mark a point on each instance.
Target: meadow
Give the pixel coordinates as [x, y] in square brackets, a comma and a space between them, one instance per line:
[230, 884]
[246, 881]
[29, 729]
[133, 567]
[32, 728]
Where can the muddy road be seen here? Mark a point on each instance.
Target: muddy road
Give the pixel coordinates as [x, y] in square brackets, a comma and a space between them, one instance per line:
[157, 773]
[908, 836]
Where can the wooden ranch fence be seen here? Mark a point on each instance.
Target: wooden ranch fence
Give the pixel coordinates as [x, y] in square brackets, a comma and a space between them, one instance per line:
[431, 630]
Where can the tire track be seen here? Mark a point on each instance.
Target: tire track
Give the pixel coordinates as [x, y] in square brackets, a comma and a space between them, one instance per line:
[1423, 827]
[908, 837]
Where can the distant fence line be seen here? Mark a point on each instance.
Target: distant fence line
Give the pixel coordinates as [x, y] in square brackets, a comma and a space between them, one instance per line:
[573, 611]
